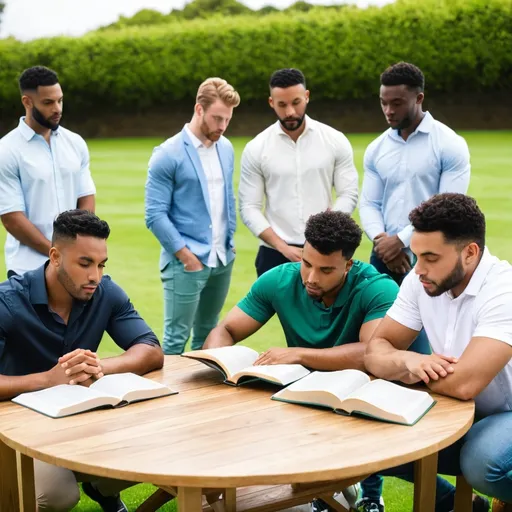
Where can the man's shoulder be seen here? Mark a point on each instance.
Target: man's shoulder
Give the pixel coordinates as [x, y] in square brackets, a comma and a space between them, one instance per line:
[498, 280]
[367, 276]
[169, 150]
[12, 142]
[13, 289]
[110, 291]
[73, 137]
[444, 134]
[281, 277]
[259, 141]
[376, 143]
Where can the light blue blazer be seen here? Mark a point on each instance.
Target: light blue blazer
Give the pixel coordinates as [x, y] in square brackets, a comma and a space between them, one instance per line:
[177, 204]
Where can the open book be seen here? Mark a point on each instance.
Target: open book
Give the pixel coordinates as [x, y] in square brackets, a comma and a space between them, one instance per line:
[352, 392]
[236, 364]
[110, 391]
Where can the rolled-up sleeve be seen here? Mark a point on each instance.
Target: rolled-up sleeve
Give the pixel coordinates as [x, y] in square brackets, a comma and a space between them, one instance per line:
[86, 184]
[125, 326]
[345, 176]
[251, 193]
[11, 190]
[158, 199]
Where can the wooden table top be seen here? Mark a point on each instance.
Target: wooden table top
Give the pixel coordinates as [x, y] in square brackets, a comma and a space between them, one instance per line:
[215, 435]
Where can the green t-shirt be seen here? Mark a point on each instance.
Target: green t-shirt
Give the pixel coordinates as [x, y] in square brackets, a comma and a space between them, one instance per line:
[366, 295]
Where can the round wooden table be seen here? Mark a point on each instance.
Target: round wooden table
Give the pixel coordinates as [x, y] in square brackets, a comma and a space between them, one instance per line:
[217, 436]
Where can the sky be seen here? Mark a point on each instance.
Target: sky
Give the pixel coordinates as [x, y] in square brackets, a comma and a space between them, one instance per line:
[30, 19]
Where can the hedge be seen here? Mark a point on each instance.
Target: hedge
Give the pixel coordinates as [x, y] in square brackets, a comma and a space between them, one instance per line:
[461, 45]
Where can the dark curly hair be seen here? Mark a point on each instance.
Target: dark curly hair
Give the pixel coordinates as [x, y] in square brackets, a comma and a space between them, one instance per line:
[457, 216]
[332, 231]
[37, 76]
[404, 73]
[68, 225]
[287, 77]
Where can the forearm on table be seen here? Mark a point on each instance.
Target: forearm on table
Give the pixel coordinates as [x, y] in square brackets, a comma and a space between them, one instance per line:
[13, 386]
[385, 361]
[140, 359]
[17, 224]
[219, 337]
[348, 356]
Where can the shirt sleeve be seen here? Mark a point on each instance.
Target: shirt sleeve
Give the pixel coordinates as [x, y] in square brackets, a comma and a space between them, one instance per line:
[159, 192]
[456, 167]
[370, 209]
[251, 193]
[345, 176]
[125, 326]
[86, 183]
[258, 303]
[405, 309]
[378, 297]
[11, 191]
[494, 316]
[5, 322]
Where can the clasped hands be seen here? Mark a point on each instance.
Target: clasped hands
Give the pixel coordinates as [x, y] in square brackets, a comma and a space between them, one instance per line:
[78, 367]
[389, 250]
[427, 368]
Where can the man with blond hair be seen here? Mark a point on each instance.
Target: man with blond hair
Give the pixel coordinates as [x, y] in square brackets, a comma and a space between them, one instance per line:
[190, 208]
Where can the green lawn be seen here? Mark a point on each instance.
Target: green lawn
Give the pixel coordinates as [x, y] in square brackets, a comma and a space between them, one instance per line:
[119, 169]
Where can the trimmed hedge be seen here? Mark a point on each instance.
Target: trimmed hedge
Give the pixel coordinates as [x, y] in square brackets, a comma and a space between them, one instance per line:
[461, 45]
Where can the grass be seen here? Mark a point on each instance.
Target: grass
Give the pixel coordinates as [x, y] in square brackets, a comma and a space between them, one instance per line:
[119, 169]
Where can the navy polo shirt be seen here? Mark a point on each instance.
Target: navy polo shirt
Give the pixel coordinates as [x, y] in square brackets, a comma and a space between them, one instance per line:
[33, 337]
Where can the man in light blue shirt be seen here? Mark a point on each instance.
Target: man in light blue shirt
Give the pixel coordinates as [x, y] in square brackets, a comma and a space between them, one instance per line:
[190, 208]
[44, 171]
[414, 159]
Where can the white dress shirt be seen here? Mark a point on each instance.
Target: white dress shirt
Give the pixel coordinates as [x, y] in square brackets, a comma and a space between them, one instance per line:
[400, 174]
[295, 179]
[213, 171]
[483, 309]
[41, 180]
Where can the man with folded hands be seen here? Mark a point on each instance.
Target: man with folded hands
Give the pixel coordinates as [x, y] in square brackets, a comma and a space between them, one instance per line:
[52, 320]
[329, 304]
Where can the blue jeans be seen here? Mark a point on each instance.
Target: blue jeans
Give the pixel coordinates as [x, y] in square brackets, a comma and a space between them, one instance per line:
[192, 302]
[483, 456]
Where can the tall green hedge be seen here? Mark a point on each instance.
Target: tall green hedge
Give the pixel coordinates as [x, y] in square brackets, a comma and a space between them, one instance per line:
[462, 45]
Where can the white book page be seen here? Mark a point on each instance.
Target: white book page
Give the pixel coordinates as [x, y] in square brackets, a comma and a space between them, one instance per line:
[63, 399]
[128, 386]
[232, 359]
[279, 373]
[392, 398]
[325, 388]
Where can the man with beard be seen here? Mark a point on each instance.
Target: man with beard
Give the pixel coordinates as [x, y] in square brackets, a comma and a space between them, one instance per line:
[52, 320]
[414, 159]
[462, 296]
[190, 208]
[44, 170]
[291, 168]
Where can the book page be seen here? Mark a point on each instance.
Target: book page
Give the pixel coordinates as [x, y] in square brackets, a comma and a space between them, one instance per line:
[64, 400]
[129, 387]
[282, 374]
[400, 403]
[231, 359]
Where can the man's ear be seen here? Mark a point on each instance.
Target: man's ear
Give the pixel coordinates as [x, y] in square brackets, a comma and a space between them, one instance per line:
[472, 253]
[27, 102]
[55, 257]
[350, 262]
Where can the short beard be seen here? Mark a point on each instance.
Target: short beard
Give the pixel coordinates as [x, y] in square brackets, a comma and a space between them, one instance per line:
[68, 285]
[38, 116]
[454, 278]
[298, 120]
[211, 136]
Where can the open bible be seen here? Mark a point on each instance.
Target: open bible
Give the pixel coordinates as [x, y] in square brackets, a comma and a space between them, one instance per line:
[110, 391]
[352, 392]
[236, 363]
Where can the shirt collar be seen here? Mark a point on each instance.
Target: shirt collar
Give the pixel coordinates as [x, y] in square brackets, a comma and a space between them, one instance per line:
[425, 126]
[37, 285]
[27, 132]
[195, 141]
[308, 122]
[477, 279]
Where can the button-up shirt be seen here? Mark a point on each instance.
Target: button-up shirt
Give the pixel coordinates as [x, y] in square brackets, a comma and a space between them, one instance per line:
[483, 309]
[210, 163]
[33, 337]
[41, 180]
[294, 180]
[400, 174]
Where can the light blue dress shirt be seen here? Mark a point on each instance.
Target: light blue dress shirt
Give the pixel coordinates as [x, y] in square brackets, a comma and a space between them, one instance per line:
[41, 180]
[399, 175]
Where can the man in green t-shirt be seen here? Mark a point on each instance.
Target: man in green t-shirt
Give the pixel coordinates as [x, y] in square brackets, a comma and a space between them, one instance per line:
[329, 305]
[328, 301]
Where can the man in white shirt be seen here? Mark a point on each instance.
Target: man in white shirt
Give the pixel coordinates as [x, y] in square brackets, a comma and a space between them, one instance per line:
[291, 168]
[44, 171]
[462, 296]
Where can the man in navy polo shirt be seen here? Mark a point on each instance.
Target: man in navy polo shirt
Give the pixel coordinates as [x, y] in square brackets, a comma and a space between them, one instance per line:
[52, 320]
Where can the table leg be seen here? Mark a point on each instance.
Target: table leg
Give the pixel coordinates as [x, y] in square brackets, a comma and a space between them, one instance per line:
[26, 484]
[425, 472]
[9, 500]
[230, 500]
[463, 495]
[190, 499]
